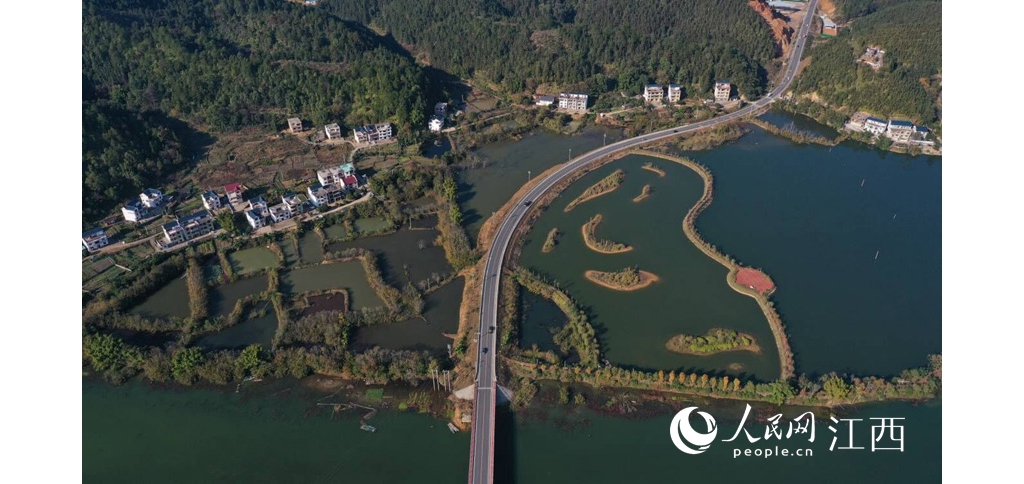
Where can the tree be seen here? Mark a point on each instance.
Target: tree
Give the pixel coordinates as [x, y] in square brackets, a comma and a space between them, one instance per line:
[184, 364]
[884, 143]
[835, 387]
[227, 221]
[104, 351]
[250, 359]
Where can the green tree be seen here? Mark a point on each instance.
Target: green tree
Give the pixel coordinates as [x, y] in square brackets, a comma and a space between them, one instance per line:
[250, 359]
[184, 364]
[835, 387]
[105, 352]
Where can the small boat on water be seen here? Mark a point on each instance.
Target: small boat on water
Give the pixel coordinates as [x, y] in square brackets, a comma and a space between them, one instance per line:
[367, 428]
[453, 428]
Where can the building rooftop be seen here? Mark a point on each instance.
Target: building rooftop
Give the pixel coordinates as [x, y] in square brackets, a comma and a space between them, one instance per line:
[874, 120]
[673, 86]
[194, 217]
[901, 124]
[233, 187]
[210, 194]
[573, 94]
[548, 98]
[653, 86]
[93, 234]
[348, 168]
[134, 205]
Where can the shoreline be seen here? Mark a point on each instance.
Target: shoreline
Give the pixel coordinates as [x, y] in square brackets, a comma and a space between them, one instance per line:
[646, 279]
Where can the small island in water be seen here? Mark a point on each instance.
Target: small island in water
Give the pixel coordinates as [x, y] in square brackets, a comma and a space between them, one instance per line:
[607, 185]
[644, 193]
[717, 340]
[551, 241]
[628, 279]
[595, 244]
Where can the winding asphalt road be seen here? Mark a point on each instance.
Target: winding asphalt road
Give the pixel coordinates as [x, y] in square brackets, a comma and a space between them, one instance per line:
[481, 464]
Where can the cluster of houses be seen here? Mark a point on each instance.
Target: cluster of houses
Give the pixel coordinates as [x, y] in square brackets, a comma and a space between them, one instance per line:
[655, 93]
[897, 130]
[151, 203]
[333, 184]
[369, 134]
[575, 102]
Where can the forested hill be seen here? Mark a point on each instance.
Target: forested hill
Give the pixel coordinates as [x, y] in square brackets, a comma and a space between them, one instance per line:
[591, 45]
[221, 65]
[232, 63]
[907, 85]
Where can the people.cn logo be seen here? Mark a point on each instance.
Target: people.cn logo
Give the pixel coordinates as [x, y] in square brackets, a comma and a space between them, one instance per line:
[684, 436]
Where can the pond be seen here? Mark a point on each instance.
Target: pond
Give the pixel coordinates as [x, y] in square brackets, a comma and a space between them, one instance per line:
[258, 328]
[224, 297]
[440, 317]
[255, 259]
[409, 255]
[170, 301]
[347, 275]
[311, 250]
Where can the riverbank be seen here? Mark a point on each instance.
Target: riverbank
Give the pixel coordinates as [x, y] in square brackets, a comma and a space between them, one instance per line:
[590, 239]
[625, 280]
[786, 364]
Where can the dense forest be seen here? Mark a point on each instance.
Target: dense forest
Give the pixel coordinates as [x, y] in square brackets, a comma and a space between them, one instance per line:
[591, 45]
[122, 152]
[906, 86]
[232, 63]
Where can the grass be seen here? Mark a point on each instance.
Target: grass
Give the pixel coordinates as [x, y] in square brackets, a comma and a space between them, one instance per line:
[375, 394]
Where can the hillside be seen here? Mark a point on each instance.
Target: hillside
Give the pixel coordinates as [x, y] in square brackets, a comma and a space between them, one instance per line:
[908, 83]
[592, 45]
[221, 65]
[232, 63]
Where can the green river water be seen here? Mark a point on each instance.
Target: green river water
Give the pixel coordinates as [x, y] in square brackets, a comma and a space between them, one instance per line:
[798, 212]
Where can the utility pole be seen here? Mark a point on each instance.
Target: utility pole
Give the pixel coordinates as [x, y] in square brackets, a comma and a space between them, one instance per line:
[570, 153]
[528, 176]
[605, 142]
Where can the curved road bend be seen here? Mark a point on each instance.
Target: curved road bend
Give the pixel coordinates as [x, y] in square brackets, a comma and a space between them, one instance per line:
[481, 467]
